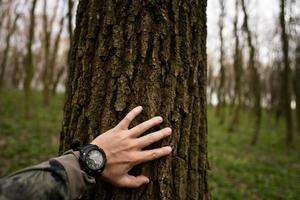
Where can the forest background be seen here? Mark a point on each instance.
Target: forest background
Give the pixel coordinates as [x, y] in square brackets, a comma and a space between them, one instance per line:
[253, 91]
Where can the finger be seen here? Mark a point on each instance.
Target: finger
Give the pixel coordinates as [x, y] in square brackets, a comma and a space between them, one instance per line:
[153, 137]
[129, 117]
[141, 128]
[134, 181]
[148, 155]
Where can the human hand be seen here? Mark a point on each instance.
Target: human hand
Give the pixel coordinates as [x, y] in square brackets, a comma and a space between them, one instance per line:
[123, 148]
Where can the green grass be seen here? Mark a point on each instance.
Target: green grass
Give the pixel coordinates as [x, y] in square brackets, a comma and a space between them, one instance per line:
[24, 141]
[268, 170]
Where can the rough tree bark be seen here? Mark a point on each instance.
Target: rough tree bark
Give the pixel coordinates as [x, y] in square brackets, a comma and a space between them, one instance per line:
[29, 63]
[149, 53]
[286, 88]
[221, 86]
[255, 79]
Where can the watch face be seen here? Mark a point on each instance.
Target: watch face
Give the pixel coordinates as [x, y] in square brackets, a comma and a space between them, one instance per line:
[94, 160]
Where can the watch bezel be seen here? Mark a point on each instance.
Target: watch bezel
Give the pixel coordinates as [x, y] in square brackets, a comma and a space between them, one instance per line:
[84, 152]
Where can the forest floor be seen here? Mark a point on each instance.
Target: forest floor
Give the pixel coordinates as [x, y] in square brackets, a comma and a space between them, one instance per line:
[238, 170]
[268, 170]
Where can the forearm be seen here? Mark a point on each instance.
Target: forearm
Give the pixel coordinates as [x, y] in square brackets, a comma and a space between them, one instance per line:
[58, 178]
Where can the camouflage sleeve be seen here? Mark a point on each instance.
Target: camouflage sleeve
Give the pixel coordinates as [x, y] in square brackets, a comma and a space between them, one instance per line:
[58, 178]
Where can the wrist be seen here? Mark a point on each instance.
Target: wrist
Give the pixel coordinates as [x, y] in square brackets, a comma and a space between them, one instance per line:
[92, 159]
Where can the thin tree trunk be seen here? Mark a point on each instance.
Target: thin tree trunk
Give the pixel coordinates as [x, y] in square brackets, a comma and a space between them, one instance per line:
[238, 68]
[47, 76]
[70, 26]
[255, 79]
[153, 54]
[46, 43]
[70, 31]
[276, 91]
[297, 84]
[70, 19]
[16, 72]
[3, 14]
[52, 63]
[29, 64]
[286, 95]
[11, 31]
[221, 88]
[57, 78]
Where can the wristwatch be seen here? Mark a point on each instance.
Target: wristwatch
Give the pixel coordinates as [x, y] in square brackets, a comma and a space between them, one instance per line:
[92, 159]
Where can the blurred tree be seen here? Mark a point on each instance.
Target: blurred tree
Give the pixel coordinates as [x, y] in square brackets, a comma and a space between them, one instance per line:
[70, 31]
[210, 88]
[53, 59]
[29, 63]
[70, 19]
[296, 79]
[286, 88]
[51, 48]
[16, 74]
[238, 68]
[50, 51]
[11, 29]
[221, 87]
[276, 89]
[3, 13]
[70, 25]
[149, 53]
[255, 79]
[47, 30]
[59, 73]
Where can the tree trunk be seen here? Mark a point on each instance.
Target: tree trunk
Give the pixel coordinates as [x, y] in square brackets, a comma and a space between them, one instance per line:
[297, 84]
[29, 64]
[255, 79]
[221, 87]
[49, 53]
[16, 72]
[238, 68]
[10, 32]
[3, 13]
[70, 18]
[128, 53]
[53, 80]
[46, 44]
[70, 26]
[286, 95]
[57, 78]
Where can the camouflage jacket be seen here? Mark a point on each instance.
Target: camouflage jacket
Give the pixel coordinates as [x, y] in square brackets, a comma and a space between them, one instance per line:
[58, 178]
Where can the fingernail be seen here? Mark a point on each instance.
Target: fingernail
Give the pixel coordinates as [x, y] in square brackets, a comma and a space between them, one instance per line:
[169, 130]
[169, 149]
[160, 119]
